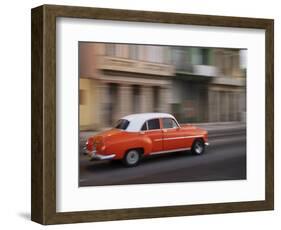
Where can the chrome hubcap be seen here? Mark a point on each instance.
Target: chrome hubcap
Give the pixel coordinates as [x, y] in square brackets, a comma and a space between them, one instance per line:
[132, 157]
[198, 147]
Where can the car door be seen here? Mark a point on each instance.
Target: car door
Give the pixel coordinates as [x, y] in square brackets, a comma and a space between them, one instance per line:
[173, 137]
[151, 129]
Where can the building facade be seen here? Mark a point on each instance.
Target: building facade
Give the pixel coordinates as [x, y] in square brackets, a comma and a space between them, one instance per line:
[209, 85]
[194, 84]
[119, 79]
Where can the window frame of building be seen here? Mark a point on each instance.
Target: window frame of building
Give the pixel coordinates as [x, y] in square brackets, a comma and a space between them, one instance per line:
[120, 50]
[136, 100]
[153, 54]
[133, 52]
[205, 52]
[167, 52]
[156, 97]
[181, 58]
[110, 49]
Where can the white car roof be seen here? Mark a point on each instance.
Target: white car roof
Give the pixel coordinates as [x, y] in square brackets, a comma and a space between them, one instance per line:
[137, 120]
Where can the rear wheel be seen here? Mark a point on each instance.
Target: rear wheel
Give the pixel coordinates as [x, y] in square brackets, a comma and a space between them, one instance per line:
[132, 158]
[198, 147]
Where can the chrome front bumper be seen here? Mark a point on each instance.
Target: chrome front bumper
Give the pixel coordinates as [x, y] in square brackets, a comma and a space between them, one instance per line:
[95, 156]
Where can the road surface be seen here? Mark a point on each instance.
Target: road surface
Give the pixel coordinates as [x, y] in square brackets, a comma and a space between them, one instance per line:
[224, 159]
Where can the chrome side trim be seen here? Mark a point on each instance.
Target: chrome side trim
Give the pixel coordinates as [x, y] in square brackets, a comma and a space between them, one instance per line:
[170, 151]
[175, 138]
[155, 140]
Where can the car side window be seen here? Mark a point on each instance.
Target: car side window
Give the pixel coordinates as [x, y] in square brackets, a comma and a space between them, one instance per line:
[169, 123]
[153, 124]
[144, 127]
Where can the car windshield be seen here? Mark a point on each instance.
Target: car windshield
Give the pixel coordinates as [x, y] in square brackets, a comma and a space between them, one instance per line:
[122, 124]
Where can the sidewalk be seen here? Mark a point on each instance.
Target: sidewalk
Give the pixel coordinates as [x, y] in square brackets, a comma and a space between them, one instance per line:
[219, 126]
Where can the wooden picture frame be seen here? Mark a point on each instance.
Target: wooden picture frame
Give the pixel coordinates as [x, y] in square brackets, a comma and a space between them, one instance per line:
[43, 208]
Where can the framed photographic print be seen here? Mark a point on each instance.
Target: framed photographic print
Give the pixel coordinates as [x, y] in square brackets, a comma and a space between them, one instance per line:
[140, 114]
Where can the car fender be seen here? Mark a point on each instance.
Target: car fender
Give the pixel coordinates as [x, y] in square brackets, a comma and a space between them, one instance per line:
[120, 146]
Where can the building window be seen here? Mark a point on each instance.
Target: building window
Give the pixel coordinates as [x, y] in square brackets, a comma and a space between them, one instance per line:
[154, 54]
[133, 52]
[150, 54]
[142, 52]
[121, 51]
[82, 97]
[167, 55]
[235, 63]
[227, 64]
[205, 56]
[180, 58]
[156, 98]
[113, 105]
[136, 98]
[159, 54]
[110, 49]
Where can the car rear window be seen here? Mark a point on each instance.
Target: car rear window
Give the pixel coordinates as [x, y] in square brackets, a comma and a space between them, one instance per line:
[153, 124]
[122, 124]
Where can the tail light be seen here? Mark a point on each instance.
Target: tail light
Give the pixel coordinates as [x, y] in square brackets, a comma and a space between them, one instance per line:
[90, 144]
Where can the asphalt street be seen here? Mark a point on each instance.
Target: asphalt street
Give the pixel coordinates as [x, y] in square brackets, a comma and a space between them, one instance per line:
[224, 159]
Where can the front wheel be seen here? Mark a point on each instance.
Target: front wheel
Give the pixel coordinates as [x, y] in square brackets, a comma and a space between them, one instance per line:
[198, 147]
[132, 158]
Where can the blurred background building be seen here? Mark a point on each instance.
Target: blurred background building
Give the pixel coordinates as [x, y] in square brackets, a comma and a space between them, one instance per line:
[119, 79]
[194, 84]
[209, 85]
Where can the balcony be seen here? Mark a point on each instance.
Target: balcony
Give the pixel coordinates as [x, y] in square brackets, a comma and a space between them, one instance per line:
[228, 80]
[200, 70]
[135, 66]
[205, 70]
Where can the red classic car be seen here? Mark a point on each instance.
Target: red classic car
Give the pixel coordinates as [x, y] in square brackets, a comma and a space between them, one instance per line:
[139, 135]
